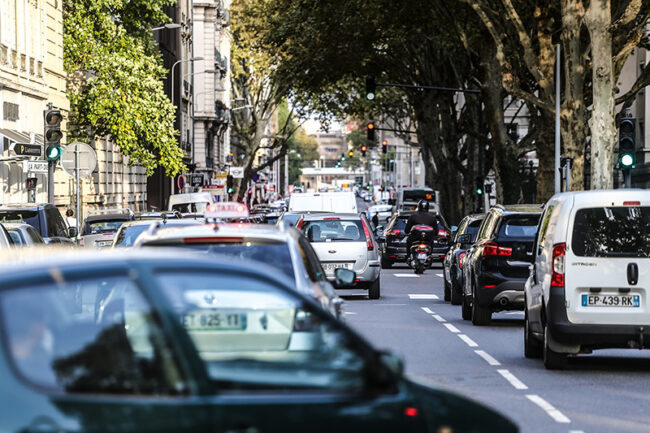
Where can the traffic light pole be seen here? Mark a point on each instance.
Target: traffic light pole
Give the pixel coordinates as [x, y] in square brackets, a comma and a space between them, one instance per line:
[50, 181]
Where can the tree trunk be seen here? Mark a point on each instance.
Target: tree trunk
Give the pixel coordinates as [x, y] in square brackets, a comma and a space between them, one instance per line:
[603, 127]
[545, 146]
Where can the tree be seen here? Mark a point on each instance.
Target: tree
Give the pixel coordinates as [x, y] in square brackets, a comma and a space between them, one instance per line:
[115, 83]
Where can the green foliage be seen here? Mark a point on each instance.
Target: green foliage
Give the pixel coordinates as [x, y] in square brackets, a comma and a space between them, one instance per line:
[115, 79]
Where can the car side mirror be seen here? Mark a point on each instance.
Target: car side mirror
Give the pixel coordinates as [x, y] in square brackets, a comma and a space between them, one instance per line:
[465, 238]
[344, 277]
[72, 232]
[389, 368]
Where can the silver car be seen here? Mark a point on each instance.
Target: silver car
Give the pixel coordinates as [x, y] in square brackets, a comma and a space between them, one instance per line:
[345, 241]
[23, 234]
[100, 226]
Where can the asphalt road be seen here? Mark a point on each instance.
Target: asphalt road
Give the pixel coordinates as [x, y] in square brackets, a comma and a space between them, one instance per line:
[608, 391]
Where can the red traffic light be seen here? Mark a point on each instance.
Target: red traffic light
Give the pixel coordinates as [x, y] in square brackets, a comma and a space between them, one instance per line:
[384, 142]
[364, 148]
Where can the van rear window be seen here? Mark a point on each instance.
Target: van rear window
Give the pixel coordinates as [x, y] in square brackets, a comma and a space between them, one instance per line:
[612, 232]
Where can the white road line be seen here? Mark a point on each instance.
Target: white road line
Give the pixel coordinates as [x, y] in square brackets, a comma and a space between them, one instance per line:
[440, 275]
[549, 409]
[576, 431]
[406, 275]
[452, 328]
[518, 384]
[466, 339]
[426, 310]
[439, 318]
[349, 312]
[488, 358]
[422, 296]
[390, 305]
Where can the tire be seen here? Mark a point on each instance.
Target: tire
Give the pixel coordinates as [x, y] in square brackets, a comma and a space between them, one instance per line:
[385, 263]
[456, 298]
[419, 268]
[552, 360]
[466, 308]
[447, 291]
[374, 289]
[533, 348]
[481, 316]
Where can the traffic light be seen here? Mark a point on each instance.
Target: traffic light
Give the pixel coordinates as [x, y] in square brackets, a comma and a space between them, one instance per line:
[384, 146]
[371, 131]
[627, 143]
[479, 186]
[363, 150]
[371, 88]
[230, 184]
[52, 133]
[351, 154]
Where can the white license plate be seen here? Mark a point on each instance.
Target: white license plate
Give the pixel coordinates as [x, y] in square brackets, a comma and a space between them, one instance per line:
[334, 266]
[210, 320]
[103, 243]
[605, 300]
[422, 256]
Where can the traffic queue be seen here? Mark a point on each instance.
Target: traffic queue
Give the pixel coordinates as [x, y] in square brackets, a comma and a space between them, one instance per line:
[202, 319]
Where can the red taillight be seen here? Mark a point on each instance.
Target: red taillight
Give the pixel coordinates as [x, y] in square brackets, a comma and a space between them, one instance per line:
[443, 233]
[366, 232]
[422, 245]
[394, 232]
[557, 277]
[461, 256]
[491, 249]
[331, 219]
[631, 203]
[211, 240]
[504, 251]
[411, 411]
[489, 286]
[299, 224]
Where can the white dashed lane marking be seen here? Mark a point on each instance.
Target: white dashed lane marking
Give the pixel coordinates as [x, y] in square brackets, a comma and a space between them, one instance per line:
[439, 318]
[467, 340]
[518, 384]
[488, 358]
[440, 275]
[427, 310]
[452, 328]
[406, 275]
[549, 409]
[422, 296]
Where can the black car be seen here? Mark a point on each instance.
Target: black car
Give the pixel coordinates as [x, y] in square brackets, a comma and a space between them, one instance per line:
[453, 264]
[394, 240]
[45, 218]
[497, 264]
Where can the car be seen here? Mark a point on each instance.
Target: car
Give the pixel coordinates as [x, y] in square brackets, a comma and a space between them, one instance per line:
[407, 198]
[129, 231]
[193, 203]
[283, 248]
[587, 288]
[23, 234]
[496, 266]
[6, 240]
[125, 341]
[345, 241]
[289, 218]
[339, 202]
[100, 226]
[45, 218]
[394, 240]
[461, 239]
[383, 211]
[157, 215]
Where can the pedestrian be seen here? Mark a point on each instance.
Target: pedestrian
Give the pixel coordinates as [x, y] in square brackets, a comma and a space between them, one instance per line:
[70, 219]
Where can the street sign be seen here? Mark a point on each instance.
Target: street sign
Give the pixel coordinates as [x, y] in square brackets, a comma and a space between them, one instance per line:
[181, 182]
[219, 178]
[196, 180]
[256, 177]
[237, 172]
[35, 166]
[86, 156]
[27, 149]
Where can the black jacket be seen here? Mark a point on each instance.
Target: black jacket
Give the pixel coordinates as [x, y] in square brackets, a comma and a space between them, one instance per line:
[421, 219]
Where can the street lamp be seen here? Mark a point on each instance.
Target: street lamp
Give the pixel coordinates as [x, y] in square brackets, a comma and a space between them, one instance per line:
[167, 26]
[193, 59]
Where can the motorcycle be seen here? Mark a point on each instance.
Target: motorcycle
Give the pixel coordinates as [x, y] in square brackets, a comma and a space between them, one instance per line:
[421, 246]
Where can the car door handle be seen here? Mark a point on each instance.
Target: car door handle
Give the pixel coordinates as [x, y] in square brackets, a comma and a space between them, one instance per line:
[632, 274]
[332, 251]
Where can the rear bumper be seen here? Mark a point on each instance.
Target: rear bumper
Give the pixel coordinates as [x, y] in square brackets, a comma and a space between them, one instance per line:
[395, 253]
[507, 294]
[593, 336]
[369, 273]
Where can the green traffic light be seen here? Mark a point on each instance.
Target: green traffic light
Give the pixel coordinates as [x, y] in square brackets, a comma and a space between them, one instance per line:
[54, 152]
[479, 191]
[231, 190]
[627, 160]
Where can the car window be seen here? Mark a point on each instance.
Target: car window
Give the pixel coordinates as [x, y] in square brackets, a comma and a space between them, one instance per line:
[99, 227]
[193, 207]
[612, 232]
[312, 263]
[518, 226]
[486, 227]
[16, 237]
[543, 228]
[34, 236]
[127, 236]
[55, 224]
[21, 216]
[329, 230]
[253, 335]
[91, 336]
[473, 227]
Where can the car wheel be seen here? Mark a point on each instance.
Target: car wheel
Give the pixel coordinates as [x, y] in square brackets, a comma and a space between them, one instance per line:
[532, 346]
[374, 289]
[385, 263]
[466, 308]
[447, 290]
[552, 360]
[481, 316]
[456, 297]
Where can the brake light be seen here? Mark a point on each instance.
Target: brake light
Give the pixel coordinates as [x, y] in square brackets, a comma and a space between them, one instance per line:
[211, 239]
[411, 411]
[631, 203]
[443, 233]
[395, 232]
[491, 249]
[504, 251]
[461, 256]
[557, 277]
[331, 219]
[366, 232]
[299, 224]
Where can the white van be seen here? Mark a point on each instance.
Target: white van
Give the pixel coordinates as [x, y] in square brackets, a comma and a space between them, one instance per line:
[589, 286]
[338, 202]
[191, 203]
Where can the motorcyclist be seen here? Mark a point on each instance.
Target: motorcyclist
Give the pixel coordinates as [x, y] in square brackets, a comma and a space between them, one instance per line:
[421, 217]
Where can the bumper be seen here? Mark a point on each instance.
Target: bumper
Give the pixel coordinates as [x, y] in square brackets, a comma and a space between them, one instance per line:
[593, 336]
[395, 253]
[439, 253]
[369, 273]
[506, 295]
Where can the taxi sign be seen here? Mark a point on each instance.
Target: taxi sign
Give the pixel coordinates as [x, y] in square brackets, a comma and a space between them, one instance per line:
[226, 209]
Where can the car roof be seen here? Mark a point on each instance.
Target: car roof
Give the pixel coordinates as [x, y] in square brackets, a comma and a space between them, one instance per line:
[9, 226]
[323, 215]
[258, 231]
[604, 197]
[519, 208]
[109, 217]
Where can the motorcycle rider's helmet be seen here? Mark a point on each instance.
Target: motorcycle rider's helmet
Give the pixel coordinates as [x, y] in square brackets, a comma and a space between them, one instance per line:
[423, 206]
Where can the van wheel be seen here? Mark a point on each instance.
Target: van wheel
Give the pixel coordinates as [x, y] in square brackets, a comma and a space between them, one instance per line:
[481, 316]
[466, 308]
[447, 290]
[552, 360]
[532, 346]
[373, 290]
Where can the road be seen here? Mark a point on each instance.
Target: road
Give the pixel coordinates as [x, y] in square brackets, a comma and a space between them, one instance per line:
[603, 392]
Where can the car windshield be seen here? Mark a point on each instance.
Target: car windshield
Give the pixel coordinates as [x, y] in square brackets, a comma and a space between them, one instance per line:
[127, 236]
[291, 218]
[334, 230]
[252, 335]
[519, 226]
[101, 227]
[612, 232]
[20, 216]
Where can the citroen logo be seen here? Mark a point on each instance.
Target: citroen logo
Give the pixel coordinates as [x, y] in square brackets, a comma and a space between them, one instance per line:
[210, 299]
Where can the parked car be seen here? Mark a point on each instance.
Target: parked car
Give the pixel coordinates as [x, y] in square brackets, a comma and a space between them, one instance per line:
[394, 240]
[128, 232]
[193, 203]
[125, 342]
[23, 234]
[462, 238]
[100, 226]
[345, 241]
[588, 284]
[496, 266]
[45, 218]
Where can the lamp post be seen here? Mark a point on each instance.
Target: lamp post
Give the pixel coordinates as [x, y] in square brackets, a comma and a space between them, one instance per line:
[193, 59]
[167, 26]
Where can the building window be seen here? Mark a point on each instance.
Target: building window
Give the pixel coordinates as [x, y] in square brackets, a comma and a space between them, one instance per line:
[10, 111]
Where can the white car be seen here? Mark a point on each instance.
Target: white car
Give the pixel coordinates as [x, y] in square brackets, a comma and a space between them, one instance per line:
[588, 287]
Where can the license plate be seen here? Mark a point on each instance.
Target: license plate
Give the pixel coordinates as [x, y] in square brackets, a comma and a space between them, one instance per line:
[422, 256]
[334, 266]
[604, 300]
[103, 243]
[209, 320]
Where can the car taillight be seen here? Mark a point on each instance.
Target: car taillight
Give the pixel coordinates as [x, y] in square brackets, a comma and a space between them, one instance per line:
[557, 277]
[212, 239]
[461, 256]
[394, 232]
[443, 233]
[422, 245]
[366, 232]
[299, 224]
[631, 203]
[491, 249]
